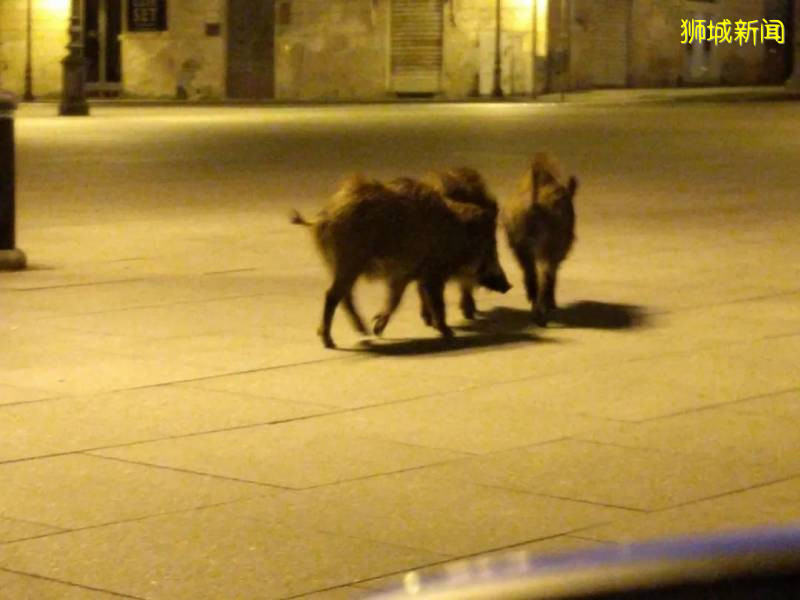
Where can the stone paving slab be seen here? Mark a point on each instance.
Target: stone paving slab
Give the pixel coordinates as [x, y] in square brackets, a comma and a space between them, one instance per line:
[773, 504]
[210, 553]
[592, 472]
[17, 586]
[419, 509]
[88, 422]
[94, 491]
[299, 454]
[171, 426]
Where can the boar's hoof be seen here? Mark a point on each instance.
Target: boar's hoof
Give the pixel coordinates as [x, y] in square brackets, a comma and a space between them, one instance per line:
[539, 316]
[379, 322]
[426, 316]
[327, 340]
[446, 332]
[468, 307]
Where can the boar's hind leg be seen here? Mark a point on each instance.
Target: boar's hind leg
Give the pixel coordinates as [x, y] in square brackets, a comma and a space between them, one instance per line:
[424, 305]
[467, 303]
[350, 307]
[434, 289]
[396, 289]
[339, 289]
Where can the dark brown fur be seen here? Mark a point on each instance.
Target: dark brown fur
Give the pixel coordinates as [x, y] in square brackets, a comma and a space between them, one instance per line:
[402, 231]
[540, 224]
[466, 185]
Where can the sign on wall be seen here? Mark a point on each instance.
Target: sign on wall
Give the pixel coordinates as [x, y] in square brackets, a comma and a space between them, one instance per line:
[147, 15]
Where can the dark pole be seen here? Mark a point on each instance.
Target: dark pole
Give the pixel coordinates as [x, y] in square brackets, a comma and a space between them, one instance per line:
[11, 258]
[28, 95]
[564, 62]
[497, 90]
[73, 89]
[793, 83]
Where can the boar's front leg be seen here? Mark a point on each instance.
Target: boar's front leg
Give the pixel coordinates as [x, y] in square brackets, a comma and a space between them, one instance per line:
[434, 290]
[524, 257]
[467, 303]
[545, 298]
[396, 288]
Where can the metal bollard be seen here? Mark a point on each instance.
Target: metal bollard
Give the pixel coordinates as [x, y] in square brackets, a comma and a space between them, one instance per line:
[11, 258]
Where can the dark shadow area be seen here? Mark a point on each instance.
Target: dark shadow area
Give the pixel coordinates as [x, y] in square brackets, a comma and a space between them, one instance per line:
[499, 320]
[735, 97]
[586, 314]
[589, 314]
[440, 345]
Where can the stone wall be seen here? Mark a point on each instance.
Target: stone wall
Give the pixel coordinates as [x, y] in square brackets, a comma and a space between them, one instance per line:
[153, 63]
[49, 38]
[469, 39]
[659, 59]
[331, 49]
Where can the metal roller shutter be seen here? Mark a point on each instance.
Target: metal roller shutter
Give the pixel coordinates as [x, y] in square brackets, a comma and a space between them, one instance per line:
[609, 43]
[416, 46]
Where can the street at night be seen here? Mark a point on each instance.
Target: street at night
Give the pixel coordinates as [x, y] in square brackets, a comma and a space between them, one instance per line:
[171, 426]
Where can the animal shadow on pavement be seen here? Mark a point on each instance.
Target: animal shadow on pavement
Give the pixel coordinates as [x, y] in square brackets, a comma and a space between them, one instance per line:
[439, 345]
[586, 314]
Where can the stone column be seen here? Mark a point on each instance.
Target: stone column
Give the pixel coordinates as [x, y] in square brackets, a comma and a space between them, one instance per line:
[11, 258]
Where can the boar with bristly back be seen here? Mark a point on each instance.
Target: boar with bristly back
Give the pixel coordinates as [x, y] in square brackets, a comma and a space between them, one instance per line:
[540, 224]
[465, 185]
[401, 232]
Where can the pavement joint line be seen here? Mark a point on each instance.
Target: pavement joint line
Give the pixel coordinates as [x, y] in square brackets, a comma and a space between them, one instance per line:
[92, 453]
[724, 404]
[69, 583]
[706, 347]
[758, 298]
[228, 271]
[478, 554]
[565, 498]
[782, 335]
[222, 430]
[75, 285]
[135, 520]
[735, 492]
[140, 307]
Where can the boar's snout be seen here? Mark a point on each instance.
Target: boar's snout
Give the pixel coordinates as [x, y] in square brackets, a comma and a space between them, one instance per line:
[495, 281]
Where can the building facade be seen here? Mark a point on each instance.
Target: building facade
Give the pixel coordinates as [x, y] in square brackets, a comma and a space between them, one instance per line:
[371, 49]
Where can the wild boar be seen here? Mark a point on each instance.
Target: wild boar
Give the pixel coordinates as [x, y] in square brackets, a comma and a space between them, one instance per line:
[401, 232]
[466, 185]
[540, 225]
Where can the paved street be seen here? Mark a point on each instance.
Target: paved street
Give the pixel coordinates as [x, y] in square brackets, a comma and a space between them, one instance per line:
[172, 428]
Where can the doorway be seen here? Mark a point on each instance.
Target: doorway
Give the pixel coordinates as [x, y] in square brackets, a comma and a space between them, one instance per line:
[101, 47]
[250, 48]
[416, 47]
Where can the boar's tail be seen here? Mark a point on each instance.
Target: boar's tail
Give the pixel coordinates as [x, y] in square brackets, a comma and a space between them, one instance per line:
[297, 219]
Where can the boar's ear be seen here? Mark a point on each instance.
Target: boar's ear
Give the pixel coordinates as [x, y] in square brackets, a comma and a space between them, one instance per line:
[572, 185]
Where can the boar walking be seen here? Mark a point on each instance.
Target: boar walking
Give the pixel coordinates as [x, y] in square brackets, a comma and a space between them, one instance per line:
[540, 224]
[401, 232]
[465, 185]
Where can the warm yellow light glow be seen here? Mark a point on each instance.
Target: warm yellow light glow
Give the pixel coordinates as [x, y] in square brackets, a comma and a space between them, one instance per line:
[53, 8]
[541, 27]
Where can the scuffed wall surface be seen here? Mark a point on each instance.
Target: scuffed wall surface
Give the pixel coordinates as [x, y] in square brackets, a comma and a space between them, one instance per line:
[469, 24]
[153, 63]
[48, 45]
[331, 49]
